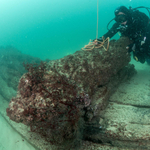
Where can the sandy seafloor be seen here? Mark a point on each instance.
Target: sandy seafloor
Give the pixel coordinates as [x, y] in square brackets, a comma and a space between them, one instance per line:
[11, 140]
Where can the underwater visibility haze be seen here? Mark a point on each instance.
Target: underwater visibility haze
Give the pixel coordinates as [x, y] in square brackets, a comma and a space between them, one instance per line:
[96, 98]
[51, 29]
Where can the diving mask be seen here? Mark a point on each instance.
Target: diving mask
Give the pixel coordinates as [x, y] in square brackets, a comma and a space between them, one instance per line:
[121, 18]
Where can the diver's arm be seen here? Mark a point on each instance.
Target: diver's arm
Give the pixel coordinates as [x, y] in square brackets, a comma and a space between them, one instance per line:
[112, 31]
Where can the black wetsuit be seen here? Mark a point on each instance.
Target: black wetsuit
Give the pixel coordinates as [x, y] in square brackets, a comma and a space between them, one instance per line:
[137, 29]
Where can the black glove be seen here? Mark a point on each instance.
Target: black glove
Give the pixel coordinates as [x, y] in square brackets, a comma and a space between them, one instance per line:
[131, 47]
[99, 39]
[138, 52]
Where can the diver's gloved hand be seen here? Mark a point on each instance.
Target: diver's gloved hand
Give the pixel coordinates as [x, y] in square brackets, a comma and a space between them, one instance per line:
[99, 39]
[131, 47]
[136, 47]
[138, 56]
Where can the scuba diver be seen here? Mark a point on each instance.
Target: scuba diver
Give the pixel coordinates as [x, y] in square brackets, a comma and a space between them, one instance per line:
[135, 25]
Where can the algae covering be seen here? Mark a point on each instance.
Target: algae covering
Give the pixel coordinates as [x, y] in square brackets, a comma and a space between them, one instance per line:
[64, 101]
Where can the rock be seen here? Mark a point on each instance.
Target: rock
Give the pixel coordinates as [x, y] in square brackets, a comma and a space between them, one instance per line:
[71, 93]
[11, 66]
